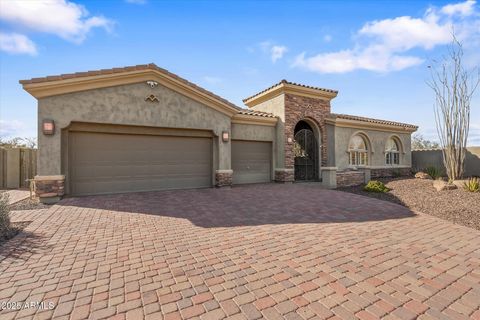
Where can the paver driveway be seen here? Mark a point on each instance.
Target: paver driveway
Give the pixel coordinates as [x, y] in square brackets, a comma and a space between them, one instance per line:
[271, 251]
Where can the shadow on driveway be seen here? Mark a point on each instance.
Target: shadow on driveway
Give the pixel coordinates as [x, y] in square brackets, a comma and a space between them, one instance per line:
[249, 205]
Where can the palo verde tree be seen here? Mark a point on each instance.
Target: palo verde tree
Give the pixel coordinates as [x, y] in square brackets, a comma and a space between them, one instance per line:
[454, 85]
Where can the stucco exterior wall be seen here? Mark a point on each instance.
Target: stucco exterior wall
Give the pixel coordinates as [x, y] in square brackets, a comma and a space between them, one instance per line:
[126, 105]
[377, 142]
[276, 106]
[253, 132]
[330, 145]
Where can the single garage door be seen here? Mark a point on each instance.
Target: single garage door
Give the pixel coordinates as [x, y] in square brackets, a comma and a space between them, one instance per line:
[251, 161]
[112, 163]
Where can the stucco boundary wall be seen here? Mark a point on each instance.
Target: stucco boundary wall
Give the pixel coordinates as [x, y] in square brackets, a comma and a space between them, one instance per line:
[422, 159]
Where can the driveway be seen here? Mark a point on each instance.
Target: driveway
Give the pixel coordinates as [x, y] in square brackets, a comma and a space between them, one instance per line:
[264, 251]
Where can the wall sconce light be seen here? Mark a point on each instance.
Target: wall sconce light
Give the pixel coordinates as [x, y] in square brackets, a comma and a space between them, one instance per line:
[225, 136]
[48, 127]
[289, 140]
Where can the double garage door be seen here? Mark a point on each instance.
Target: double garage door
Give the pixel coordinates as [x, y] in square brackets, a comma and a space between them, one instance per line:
[102, 163]
[112, 163]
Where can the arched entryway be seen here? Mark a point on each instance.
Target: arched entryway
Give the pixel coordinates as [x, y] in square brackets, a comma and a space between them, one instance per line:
[305, 151]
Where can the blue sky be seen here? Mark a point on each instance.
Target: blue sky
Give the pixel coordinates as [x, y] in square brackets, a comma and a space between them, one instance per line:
[375, 53]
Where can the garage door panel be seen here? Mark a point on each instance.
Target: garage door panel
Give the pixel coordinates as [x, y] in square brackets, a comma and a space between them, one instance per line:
[109, 163]
[251, 161]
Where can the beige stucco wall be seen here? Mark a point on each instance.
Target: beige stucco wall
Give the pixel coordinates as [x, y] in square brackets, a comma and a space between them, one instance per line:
[126, 105]
[378, 140]
[330, 145]
[242, 131]
[276, 106]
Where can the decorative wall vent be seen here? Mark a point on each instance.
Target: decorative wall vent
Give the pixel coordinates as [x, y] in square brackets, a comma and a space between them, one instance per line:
[152, 83]
[152, 98]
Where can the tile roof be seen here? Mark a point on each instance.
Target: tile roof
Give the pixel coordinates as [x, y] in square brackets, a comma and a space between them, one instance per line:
[150, 66]
[371, 120]
[290, 83]
[257, 113]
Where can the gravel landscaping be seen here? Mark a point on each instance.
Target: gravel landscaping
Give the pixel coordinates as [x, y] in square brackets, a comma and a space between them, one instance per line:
[28, 204]
[458, 206]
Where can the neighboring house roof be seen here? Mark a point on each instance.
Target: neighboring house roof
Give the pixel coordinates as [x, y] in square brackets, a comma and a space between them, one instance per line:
[287, 86]
[334, 116]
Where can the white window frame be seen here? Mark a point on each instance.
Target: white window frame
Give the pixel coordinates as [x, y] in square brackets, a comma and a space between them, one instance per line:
[358, 157]
[392, 157]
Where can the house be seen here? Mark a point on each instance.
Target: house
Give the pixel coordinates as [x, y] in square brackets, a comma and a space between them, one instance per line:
[143, 128]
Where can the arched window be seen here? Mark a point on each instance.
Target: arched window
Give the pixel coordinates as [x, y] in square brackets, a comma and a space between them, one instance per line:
[358, 151]
[392, 152]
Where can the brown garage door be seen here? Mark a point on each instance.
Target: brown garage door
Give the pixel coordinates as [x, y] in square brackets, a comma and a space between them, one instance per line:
[251, 161]
[111, 163]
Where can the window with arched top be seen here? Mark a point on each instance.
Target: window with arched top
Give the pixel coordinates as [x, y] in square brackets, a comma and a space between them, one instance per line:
[358, 151]
[392, 152]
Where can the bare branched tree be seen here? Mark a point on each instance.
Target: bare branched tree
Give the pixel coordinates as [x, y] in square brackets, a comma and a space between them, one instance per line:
[454, 86]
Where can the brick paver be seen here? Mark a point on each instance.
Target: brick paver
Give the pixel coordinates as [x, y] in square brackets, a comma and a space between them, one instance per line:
[264, 251]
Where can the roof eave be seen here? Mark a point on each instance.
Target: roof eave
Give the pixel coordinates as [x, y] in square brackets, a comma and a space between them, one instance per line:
[359, 124]
[240, 118]
[283, 88]
[54, 87]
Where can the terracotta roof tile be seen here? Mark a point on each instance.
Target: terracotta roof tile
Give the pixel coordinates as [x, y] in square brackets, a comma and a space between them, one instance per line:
[257, 113]
[371, 120]
[150, 66]
[291, 83]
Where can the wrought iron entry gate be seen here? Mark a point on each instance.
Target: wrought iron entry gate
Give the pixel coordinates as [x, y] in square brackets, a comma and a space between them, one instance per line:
[305, 150]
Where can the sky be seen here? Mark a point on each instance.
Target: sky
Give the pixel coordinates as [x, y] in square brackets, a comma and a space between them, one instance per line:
[375, 53]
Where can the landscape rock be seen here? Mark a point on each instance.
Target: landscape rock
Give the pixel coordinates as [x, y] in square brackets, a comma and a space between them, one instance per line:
[459, 183]
[422, 175]
[441, 185]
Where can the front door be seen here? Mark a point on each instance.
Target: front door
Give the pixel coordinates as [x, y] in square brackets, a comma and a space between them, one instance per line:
[305, 150]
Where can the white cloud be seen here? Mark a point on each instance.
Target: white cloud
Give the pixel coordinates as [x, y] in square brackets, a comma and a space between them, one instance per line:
[277, 52]
[382, 46]
[405, 33]
[463, 8]
[12, 128]
[212, 80]
[65, 19]
[327, 38]
[15, 43]
[350, 60]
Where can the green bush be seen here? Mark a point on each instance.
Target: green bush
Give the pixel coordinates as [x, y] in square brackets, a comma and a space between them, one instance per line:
[5, 225]
[472, 185]
[375, 186]
[433, 172]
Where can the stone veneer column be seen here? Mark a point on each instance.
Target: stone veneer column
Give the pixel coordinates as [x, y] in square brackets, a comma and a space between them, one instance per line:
[223, 178]
[50, 189]
[284, 175]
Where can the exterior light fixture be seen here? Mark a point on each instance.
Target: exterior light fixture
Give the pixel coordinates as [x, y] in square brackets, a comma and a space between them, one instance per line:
[289, 140]
[225, 136]
[48, 127]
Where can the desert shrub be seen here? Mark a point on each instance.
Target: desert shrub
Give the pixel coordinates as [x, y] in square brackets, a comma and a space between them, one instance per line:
[375, 186]
[5, 225]
[433, 172]
[472, 185]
